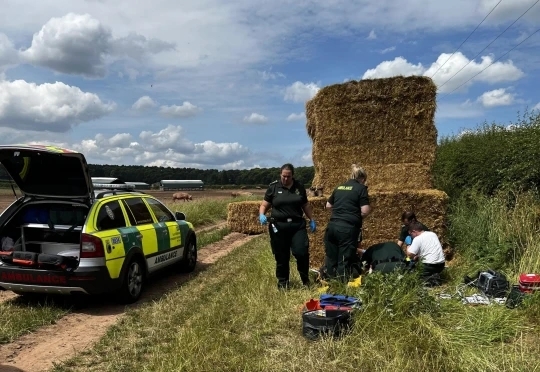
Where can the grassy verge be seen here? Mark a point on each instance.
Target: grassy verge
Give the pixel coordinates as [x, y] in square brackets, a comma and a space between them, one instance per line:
[234, 319]
[21, 315]
[205, 211]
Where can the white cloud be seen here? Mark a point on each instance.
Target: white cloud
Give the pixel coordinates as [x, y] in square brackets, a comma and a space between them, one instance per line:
[497, 97]
[53, 107]
[144, 103]
[296, 117]
[269, 75]
[187, 109]
[372, 35]
[387, 50]
[300, 92]
[80, 44]
[537, 107]
[498, 72]
[72, 44]
[8, 54]
[255, 118]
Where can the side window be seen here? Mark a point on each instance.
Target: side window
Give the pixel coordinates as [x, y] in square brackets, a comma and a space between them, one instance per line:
[161, 212]
[138, 211]
[110, 216]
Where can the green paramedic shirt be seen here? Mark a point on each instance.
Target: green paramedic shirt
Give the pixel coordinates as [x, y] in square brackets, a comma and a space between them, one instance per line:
[346, 200]
[286, 203]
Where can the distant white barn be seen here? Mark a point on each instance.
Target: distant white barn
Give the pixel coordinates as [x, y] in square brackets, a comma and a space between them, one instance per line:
[192, 185]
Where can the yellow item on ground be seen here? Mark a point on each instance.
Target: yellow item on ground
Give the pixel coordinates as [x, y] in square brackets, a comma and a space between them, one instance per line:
[355, 283]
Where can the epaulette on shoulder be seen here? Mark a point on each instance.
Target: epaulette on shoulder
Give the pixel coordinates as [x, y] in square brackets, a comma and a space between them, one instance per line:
[273, 183]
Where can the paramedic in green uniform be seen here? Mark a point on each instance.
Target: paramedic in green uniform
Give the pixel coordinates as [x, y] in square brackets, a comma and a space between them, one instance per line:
[288, 199]
[349, 203]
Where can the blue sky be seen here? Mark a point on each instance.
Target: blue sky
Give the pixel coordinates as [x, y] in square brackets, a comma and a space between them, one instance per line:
[207, 85]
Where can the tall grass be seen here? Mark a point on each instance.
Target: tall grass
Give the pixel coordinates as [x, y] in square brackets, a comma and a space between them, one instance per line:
[206, 211]
[233, 318]
[500, 232]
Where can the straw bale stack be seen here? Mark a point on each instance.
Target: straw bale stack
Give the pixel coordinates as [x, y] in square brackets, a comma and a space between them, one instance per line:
[243, 217]
[387, 126]
[373, 122]
[384, 223]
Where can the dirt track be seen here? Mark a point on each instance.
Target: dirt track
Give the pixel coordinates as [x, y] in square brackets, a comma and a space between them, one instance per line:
[89, 321]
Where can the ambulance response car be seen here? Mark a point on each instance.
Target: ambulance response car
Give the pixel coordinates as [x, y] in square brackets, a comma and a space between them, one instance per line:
[63, 237]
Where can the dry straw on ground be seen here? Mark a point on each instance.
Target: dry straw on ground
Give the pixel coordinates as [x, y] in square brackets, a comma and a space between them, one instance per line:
[370, 122]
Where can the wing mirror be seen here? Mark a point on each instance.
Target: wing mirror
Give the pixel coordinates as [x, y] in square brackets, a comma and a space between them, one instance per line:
[180, 216]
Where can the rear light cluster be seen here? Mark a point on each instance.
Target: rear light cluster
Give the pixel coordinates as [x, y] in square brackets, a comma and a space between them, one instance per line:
[91, 246]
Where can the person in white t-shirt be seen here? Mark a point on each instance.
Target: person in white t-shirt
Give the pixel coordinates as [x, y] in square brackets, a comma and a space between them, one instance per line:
[427, 249]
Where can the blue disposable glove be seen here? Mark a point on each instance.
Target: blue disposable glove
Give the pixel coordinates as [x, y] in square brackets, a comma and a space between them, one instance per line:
[408, 240]
[312, 225]
[262, 219]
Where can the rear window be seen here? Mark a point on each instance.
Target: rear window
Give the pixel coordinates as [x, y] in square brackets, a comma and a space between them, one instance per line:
[45, 173]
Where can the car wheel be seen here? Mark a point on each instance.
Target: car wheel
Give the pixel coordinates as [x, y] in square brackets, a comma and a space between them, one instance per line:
[133, 281]
[189, 259]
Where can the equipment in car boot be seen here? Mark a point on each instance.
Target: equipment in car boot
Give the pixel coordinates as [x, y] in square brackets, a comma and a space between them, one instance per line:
[6, 257]
[56, 262]
[529, 283]
[22, 258]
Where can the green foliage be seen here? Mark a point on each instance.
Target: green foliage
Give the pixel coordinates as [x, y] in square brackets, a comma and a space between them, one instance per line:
[492, 157]
[500, 231]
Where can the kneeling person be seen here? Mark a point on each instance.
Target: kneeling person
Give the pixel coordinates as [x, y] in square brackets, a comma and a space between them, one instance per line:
[427, 249]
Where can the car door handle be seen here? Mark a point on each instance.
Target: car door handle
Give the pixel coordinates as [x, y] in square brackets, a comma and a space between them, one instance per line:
[139, 236]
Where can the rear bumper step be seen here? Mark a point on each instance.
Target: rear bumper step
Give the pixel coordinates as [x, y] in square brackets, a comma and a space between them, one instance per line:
[32, 288]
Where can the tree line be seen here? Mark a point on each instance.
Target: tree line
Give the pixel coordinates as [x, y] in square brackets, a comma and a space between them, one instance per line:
[210, 177]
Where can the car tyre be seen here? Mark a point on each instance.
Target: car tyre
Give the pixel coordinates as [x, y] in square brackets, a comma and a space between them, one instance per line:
[189, 259]
[133, 281]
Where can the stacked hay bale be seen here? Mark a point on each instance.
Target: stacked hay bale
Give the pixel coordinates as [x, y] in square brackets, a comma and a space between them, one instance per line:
[386, 126]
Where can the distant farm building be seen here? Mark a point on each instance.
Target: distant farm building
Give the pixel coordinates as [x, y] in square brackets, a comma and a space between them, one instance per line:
[193, 185]
[103, 180]
[139, 185]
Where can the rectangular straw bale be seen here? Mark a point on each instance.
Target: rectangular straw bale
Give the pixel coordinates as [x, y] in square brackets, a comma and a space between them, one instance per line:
[243, 217]
[384, 223]
[373, 121]
[381, 177]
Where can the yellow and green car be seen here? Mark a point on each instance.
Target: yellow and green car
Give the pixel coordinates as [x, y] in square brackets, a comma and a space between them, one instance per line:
[64, 236]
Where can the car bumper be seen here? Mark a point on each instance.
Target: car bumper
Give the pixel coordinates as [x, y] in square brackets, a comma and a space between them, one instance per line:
[86, 280]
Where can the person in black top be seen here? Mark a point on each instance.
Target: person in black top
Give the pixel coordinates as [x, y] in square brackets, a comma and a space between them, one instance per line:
[349, 203]
[384, 257]
[406, 218]
[288, 199]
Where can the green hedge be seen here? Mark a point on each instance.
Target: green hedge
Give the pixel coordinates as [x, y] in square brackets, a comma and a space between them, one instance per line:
[491, 157]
